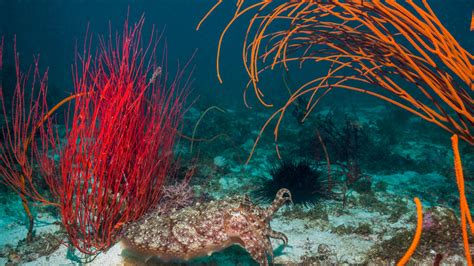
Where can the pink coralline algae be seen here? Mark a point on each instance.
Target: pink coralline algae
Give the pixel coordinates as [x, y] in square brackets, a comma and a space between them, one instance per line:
[203, 229]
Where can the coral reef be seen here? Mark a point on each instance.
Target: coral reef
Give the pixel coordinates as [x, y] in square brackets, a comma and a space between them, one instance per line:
[107, 178]
[399, 53]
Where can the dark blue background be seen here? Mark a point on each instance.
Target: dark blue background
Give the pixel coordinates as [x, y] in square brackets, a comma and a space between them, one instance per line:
[52, 28]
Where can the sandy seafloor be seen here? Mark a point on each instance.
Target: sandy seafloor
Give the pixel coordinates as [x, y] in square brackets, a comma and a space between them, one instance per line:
[320, 233]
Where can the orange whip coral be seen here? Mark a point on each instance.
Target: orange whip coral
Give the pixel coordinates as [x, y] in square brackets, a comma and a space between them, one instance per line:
[472, 21]
[400, 53]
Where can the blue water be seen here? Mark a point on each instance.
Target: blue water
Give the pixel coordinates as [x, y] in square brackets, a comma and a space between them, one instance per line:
[52, 28]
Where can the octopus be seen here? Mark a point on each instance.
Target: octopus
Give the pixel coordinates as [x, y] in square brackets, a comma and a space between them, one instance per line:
[205, 228]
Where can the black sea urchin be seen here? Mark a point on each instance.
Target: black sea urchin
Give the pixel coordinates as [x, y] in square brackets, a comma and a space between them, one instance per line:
[300, 178]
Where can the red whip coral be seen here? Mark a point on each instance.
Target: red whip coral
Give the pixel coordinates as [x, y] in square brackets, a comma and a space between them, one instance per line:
[28, 107]
[120, 139]
[119, 144]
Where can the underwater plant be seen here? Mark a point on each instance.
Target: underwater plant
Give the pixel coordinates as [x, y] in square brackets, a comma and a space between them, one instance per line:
[398, 52]
[120, 135]
[296, 176]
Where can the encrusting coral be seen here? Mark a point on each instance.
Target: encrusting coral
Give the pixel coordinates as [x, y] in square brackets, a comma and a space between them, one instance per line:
[202, 229]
